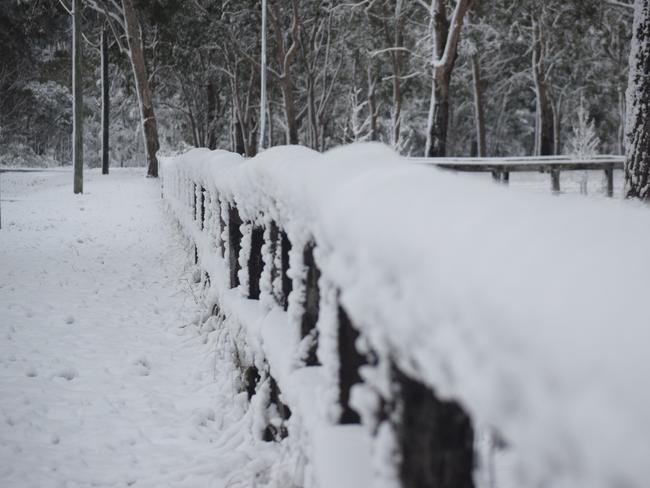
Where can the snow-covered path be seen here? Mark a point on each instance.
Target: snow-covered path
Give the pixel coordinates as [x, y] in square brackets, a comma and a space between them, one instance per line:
[100, 382]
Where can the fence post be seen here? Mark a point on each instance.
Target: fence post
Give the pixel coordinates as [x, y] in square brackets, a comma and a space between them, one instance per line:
[287, 284]
[234, 244]
[435, 438]
[311, 305]
[609, 174]
[255, 263]
[555, 180]
[349, 363]
[194, 202]
[222, 226]
[202, 196]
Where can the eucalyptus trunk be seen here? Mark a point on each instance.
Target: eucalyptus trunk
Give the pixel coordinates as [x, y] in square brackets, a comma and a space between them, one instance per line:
[637, 164]
[479, 111]
[136, 48]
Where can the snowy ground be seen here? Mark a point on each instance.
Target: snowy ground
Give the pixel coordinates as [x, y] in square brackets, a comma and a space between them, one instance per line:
[571, 182]
[104, 380]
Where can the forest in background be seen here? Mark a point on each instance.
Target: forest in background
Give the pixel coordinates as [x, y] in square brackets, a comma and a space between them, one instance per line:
[338, 72]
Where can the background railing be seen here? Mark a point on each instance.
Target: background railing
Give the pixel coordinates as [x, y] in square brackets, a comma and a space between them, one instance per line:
[400, 325]
[553, 165]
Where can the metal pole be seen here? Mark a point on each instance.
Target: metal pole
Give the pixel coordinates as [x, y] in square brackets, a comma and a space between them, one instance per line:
[263, 80]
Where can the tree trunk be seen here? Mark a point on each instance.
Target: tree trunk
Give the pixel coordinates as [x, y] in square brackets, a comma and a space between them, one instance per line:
[286, 58]
[446, 36]
[289, 111]
[439, 114]
[271, 142]
[396, 57]
[543, 113]
[637, 164]
[372, 105]
[621, 122]
[311, 113]
[240, 144]
[105, 100]
[149, 126]
[479, 115]
[556, 111]
[77, 97]
[212, 115]
[439, 107]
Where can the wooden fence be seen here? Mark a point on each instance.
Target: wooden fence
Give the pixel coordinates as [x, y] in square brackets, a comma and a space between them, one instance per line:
[307, 337]
[500, 168]
[434, 438]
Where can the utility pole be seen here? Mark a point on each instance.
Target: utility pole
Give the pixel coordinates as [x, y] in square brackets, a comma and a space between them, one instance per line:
[263, 80]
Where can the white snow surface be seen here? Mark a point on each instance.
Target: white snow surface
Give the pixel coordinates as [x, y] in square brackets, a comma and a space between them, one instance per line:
[104, 378]
[531, 310]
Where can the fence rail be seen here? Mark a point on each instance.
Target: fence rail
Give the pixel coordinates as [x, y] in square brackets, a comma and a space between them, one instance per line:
[389, 324]
[553, 165]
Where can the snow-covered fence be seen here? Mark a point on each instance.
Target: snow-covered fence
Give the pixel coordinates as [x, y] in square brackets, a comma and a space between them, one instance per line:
[400, 323]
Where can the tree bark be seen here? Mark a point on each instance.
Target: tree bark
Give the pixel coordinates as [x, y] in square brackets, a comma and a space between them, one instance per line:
[543, 113]
[396, 60]
[479, 113]
[621, 122]
[105, 100]
[446, 35]
[289, 110]
[240, 143]
[212, 115]
[286, 57]
[637, 164]
[556, 112]
[149, 126]
[440, 115]
[77, 95]
[372, 105]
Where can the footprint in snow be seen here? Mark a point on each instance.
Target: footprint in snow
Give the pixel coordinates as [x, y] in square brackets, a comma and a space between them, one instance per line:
[68, 373]
[31, 372]
[69, 319]
[142, 366]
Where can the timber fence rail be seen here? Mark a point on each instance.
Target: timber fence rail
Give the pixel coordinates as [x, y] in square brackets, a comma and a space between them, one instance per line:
[500, 168]
[405, 336]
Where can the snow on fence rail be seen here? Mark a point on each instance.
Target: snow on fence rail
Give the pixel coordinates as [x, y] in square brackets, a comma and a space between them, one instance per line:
[389, 316]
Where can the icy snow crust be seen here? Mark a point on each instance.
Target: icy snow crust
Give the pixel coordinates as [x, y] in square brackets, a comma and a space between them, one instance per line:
[531, 310]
